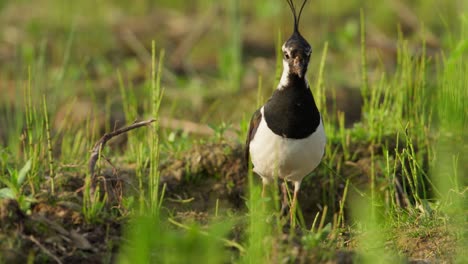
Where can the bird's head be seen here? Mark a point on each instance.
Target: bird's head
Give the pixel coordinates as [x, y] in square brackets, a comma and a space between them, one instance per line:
[296, 50]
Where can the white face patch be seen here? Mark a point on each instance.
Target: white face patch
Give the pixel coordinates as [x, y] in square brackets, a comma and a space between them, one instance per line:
[284, 77]
[286, 50]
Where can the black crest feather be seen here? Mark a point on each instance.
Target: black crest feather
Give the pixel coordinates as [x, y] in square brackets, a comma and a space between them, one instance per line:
[297, 17]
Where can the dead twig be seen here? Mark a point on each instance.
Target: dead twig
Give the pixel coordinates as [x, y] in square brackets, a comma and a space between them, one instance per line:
[43, 248]
[186, 126]
[99, 146]
[410, 19]
[136, 46]
[192, 127]
[141, 52]
[201, 27]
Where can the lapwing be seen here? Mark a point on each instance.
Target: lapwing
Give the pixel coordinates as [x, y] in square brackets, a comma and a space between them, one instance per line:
[286, 139]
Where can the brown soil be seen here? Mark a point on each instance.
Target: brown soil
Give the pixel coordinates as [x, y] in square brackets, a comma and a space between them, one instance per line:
[53, 232]
[424, 245]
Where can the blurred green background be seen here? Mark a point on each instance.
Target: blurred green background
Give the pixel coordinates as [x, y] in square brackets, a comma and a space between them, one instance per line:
[214, 50]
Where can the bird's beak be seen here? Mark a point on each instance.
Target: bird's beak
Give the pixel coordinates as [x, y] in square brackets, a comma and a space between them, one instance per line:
[300, 66]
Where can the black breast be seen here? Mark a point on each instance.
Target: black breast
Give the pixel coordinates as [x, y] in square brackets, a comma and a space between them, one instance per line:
[291, 112]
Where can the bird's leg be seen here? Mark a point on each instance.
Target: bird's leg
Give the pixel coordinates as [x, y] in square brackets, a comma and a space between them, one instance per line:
[265, 182]
[297, 185]
[284, 200]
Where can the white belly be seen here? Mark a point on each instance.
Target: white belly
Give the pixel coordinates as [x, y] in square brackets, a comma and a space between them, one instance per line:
[292, 159]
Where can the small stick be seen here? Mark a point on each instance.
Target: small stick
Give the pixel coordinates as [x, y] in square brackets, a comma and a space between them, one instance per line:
[202, 26]
[99, 146]
[43, 248]
[192, 127]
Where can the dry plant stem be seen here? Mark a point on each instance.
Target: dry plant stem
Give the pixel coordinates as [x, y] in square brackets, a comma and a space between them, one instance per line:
[136, 46]
[200, 29]
[130, 39]
[410, 19]
[43, 248]
[192, 127]
[99, 146]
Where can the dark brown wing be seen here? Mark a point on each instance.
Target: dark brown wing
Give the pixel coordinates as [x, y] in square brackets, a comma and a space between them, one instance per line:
[254, 122]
